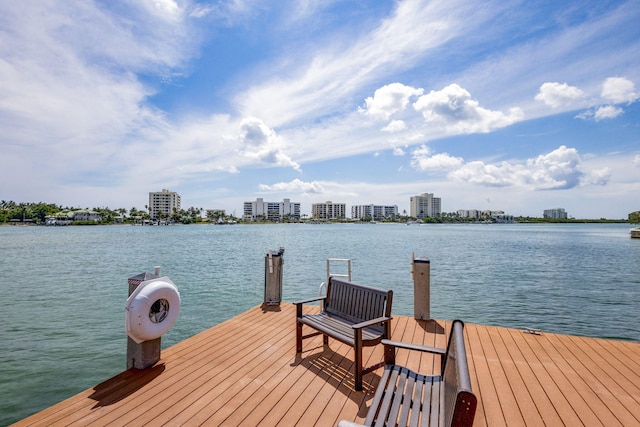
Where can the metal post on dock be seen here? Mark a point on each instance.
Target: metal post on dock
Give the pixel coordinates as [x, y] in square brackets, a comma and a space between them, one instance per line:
[421, 275]
[147, 353]
[273, 277]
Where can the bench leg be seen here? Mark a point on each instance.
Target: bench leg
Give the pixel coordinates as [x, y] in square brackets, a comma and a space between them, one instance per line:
[325, 339]
[298, 337]
[358, 359]
[298, 328]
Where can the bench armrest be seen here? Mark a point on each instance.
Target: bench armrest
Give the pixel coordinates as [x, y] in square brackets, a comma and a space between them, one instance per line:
[417, 347]
[308, 300]
[300, 303]
[371, 322]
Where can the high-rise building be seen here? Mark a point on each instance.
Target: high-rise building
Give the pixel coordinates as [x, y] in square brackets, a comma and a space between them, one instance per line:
[375, 212]
[556, 213]
[271, 211]
[425, 205]
[163, 204]
[469, 213]
[328, 210]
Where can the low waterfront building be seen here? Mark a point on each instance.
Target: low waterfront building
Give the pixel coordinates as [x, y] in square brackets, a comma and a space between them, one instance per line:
[498, 216]
[271, 211]
[60, 218]
[502, 218]
[425, 205]
[85, 215]
[328, 210]
[373, 212]
[67, 217]
[163, 204]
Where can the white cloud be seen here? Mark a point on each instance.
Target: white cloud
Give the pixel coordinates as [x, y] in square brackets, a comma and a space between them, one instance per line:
[478, 172]
[596, 177]
[77, 109]
[167, 7]
[341, 67]
[440, 161]
[583, 53]
[453, 108]
[395, 126]
[72, 107]
[422, 151]
[619, 90]
[607, 112]
[558, 95]
[636, 160]
[423, 160]
[260, 142]
[390, 99]
[295, 186]
[616, 90]
[601, 113]
[76, 77]
[559, 169]
[317, 190]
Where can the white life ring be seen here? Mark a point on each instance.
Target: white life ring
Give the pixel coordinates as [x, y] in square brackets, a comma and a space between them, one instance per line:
[152, 309]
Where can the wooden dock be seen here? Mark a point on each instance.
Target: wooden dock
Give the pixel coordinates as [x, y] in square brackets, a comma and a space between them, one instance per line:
[245, 371]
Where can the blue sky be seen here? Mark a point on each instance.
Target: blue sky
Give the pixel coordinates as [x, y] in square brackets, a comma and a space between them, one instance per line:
[515, 106]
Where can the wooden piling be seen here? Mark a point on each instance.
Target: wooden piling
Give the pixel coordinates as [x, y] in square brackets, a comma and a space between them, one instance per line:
[421, 272]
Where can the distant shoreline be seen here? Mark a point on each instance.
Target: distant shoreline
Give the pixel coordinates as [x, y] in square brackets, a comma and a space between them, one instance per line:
[519, 221]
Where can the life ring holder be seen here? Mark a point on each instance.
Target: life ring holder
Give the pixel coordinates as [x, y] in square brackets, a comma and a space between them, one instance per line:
[152, 309]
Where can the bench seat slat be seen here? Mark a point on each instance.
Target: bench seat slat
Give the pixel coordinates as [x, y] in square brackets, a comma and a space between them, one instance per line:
[412, 388]
[404, 398]
[380, 393]
[404, 388]
[422, 388]
[389, 395]
[338, 328]
[436, 400]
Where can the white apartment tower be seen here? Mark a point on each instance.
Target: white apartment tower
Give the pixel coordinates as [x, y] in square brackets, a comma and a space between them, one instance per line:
[425, 205]
[556, 213]
[271, 211]
[163, 203]
[375, 212]
[328, 210]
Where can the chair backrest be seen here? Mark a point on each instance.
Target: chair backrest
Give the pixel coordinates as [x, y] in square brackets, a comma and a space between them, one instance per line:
[459, 401]
[357, 303]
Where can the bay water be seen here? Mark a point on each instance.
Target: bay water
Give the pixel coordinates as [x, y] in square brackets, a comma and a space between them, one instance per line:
[64, 288]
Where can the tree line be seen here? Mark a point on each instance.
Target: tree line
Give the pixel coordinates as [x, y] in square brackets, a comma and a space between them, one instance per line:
[11, 211]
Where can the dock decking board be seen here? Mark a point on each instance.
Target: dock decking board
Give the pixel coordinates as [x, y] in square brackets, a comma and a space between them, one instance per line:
[245, 371]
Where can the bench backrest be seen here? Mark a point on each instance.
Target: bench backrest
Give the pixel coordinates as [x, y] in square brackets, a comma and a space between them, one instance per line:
[459, 401]
[357, 303]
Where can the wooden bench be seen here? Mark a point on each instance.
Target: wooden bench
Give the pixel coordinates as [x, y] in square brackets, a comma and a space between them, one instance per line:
[356, 315]
[406, 398]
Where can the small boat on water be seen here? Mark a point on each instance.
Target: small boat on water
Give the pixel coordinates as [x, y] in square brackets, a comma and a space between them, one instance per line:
[635, 233]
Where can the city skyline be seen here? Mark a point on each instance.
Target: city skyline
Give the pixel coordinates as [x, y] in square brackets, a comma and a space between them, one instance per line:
[513, 106]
